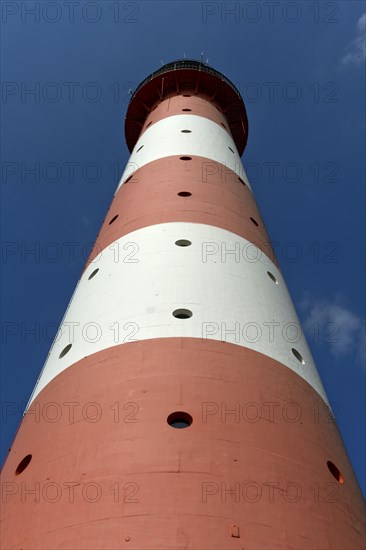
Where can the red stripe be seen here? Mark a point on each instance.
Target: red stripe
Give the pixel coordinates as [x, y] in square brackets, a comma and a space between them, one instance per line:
[171, 473]
[151, 197]
[199, 106]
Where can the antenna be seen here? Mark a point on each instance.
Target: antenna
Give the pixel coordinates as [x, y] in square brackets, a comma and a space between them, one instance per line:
[206, 61]
[161, 62]
[184, 55]
[201, 57]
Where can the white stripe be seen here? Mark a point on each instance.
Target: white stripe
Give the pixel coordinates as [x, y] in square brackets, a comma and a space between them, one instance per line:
[165, 139]
[144, 276]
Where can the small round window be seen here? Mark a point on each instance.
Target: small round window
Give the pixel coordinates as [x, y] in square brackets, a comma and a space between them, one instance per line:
[65, 351]
[179, 420]
[23, 464]
[182, 313]
[298, 356]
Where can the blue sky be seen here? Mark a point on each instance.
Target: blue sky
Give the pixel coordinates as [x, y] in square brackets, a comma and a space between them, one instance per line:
[299, 69]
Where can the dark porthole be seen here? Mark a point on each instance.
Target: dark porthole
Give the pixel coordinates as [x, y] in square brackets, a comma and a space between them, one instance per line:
[23, 464]
[186, 131]
[335, 472]
[298, 356]
[182, 313]
[185, 158]
[254, 221]
[150, 123]
[271, 276]
[223, 125]
[113, 219]
[186, 110]
[65, 351]
[128, 179]
[179, 419]
[93, 274]
[232, 150]
[139, 149]
[183, 242]
[153, 109]
[186, 95]
[184, 194]
[241, 181]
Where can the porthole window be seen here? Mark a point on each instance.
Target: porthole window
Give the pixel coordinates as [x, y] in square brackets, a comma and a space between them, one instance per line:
[298, 356]
[232, 150]
[65, 351]
[271, 276]
[128, 179]
[223, 125]
[179, 420]
[139, 149]
[182, 314]
[186, 110]
[93, 274]
[254, 221]
[186, 95]
[335, 472]
[150, 123]
[183, 242]
[186, 131]
[113, 219]
[23, 464]
[184, 194]
[241, 181]
[185, 158]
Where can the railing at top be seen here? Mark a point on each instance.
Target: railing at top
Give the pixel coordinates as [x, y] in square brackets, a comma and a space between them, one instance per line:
[186, 64]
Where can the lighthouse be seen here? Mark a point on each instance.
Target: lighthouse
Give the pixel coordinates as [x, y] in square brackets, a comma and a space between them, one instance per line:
[179, 406]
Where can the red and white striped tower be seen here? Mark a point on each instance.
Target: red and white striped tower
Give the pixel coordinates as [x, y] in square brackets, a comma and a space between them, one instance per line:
[181, 319]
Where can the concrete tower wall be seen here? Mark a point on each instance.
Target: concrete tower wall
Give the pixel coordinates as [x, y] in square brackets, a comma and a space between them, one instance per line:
[181, 315]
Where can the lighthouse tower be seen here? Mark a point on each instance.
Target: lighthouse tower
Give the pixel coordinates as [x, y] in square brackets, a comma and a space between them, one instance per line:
[179, 406]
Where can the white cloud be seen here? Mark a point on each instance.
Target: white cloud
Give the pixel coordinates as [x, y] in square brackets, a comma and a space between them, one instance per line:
[356, 54]
[332, 323]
